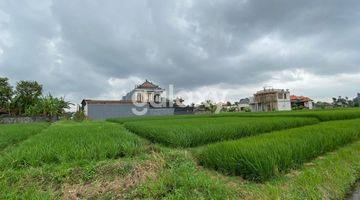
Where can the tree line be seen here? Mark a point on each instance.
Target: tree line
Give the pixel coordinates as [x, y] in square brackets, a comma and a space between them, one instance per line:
[27, 99]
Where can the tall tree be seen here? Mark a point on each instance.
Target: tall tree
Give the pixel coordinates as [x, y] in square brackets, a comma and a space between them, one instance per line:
[26, 95]
[6, 93]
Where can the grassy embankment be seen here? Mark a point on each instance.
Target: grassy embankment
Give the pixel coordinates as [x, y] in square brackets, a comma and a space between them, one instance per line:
[73, 142]
[194, 132]
[11, 134]
[323, 115]
[263, 157]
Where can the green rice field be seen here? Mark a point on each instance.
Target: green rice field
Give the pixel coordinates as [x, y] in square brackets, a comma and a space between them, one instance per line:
[73, 142]
[263, 157]
[276, 155]
[14, 133]
[198, 131]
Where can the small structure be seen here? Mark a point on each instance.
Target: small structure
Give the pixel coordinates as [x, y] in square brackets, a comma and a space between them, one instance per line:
[271, 100]
[244, 104]
[299, 102]
[145, 99]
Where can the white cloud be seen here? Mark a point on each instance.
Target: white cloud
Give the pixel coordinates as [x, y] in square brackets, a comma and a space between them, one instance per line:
[220, 50]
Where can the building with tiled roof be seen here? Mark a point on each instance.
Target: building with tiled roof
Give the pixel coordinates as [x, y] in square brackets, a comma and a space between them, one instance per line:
[145, 92]
[301, 102]
[144, 99]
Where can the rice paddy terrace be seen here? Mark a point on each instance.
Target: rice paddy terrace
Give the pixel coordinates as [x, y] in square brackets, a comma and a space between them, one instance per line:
[279, 155]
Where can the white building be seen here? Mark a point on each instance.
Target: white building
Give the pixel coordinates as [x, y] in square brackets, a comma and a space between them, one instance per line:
[271, 100]
[146, 92]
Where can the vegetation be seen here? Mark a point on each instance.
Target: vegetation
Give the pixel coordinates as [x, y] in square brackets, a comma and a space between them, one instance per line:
[194, 132]
[263, 157]
[79, 115]
[6, 94]
[26, 95]
[27, 100]
[327, 177]
[322, 115]
[48, 106]
[14, 133]
[73, 142]
[102, 160]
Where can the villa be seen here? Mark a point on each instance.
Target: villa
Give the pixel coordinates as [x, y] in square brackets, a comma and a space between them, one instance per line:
[144, 99]
[271, 100]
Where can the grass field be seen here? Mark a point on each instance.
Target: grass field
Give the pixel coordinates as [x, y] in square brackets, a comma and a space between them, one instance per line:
[263, 157]
[294, 155]
[323, 115]
[14, 133]
[194, 132]
[72, 142]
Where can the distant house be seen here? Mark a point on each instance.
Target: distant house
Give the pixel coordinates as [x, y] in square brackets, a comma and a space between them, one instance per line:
[301, 102]
[146, 92]
[244, 104]
[144, 99]
[356, 100]
[271, 100]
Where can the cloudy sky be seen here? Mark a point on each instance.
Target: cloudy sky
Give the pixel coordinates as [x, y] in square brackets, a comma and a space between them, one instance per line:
[220, 49]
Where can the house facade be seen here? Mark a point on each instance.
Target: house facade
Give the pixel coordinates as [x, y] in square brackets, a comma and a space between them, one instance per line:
[271, 100]
[145, 93]
[244, 104]
[356, 100]
[144, 99]
[301, 102]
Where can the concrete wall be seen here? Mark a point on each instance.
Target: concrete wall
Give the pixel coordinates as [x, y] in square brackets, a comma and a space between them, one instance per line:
[105, 111]
[284, 104]
[25, 120]
[309, 105]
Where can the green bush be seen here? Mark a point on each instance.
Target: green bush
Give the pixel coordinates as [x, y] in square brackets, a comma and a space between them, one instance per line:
[48, 106]
[194, 132]
[262, 157]
[79, 116]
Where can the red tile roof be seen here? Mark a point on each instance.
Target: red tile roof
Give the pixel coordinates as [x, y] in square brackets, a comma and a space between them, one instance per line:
[148, 85]
[299, 98]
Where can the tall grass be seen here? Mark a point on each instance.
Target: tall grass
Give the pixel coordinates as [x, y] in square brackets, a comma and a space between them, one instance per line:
[323, 115]
[262, 157]
[74, 142]
[122, 120]
[14, 133]
[194, 132]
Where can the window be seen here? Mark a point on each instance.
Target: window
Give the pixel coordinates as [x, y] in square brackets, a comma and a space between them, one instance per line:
[156, 98]
[138, 97]
[280, 96]
[285, 96]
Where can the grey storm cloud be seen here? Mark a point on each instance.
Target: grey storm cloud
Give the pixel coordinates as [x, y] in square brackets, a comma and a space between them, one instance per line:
[74, 47]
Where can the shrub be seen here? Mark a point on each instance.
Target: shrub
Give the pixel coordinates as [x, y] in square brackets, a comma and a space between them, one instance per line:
[79, 116]
[194, 132]
[48, 106]
[262, 157]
